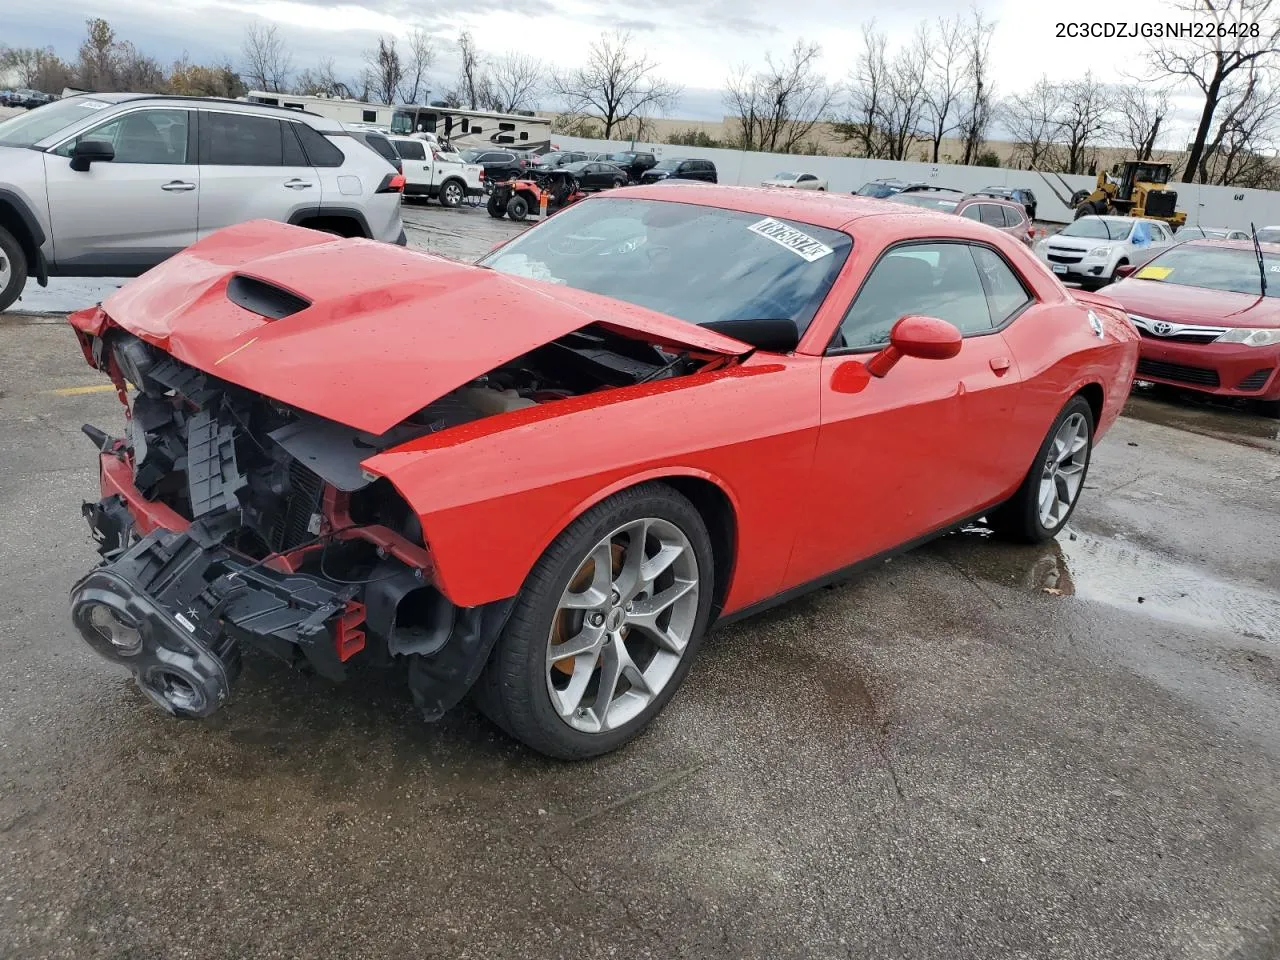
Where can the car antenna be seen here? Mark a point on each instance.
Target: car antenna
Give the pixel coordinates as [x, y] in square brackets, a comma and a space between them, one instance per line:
[1257, 250]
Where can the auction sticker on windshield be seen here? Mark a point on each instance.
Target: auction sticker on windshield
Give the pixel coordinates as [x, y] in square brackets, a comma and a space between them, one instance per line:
[798, 242]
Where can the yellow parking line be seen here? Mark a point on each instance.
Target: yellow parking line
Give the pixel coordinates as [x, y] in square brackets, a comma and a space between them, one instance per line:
[80, 391]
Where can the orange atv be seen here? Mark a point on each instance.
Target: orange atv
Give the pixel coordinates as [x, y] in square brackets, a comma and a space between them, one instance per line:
[540, 196]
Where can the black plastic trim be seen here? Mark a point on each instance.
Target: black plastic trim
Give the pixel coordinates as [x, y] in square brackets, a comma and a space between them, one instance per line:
[312, 213]
[25, 215]
[263, 298]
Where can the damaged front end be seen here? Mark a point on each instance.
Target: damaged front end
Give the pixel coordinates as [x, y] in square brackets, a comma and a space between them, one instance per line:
[229, 519]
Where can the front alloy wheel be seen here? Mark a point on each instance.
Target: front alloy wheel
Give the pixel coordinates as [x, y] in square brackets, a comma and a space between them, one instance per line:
[605, 628]
[622, 625]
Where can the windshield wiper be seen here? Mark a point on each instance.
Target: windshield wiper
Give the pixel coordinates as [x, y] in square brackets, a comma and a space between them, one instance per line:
[1257, 250]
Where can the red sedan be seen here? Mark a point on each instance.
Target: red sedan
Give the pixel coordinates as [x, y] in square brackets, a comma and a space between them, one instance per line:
[540, 479]
[1205, 320]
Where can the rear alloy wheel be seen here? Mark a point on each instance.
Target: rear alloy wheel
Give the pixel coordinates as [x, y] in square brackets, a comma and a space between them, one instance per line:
[451, 193]
[13, 269]
[1052, 486]
[495, 207]
[606, 627]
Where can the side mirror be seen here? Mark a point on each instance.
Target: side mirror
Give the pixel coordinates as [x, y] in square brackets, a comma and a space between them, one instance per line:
[87, 152]
[1124, 270]
[926, 338]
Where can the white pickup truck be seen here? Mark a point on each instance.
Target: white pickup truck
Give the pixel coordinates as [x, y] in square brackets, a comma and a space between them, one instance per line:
[431, 172]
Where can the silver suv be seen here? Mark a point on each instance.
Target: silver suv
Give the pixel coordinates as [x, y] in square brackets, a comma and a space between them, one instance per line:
[109, 185]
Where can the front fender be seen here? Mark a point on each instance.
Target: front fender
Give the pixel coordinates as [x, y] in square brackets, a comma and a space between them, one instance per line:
[492, 495]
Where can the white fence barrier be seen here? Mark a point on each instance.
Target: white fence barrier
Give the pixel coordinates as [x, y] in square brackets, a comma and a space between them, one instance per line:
[1205, 205]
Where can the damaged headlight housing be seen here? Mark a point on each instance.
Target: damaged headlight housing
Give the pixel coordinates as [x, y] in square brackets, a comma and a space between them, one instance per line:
[1256, 337]
[115, 628]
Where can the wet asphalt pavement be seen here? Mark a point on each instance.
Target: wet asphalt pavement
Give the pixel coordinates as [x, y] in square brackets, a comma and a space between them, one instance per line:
[974, 751]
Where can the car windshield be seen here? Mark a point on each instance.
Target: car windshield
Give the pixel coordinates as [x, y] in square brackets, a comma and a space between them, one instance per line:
[785, 176]
[930, 201]
[471, 156]
[667, 164]
[699, 264]
[620, 157]
[1095, 228]
[1214, 268]
[1265, 235]
[30, 128]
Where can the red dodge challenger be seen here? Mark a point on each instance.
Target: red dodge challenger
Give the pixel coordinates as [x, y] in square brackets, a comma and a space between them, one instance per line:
[1209, 315]
[538, 480]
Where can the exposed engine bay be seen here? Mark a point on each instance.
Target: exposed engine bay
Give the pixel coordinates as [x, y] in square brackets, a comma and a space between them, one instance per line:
[253, 521]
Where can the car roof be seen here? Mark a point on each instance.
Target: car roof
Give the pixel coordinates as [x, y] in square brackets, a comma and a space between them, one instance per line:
[1213, 244]
[835, 211]
[265, 109]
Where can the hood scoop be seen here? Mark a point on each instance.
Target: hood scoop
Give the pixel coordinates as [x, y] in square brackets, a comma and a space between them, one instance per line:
[264, 299]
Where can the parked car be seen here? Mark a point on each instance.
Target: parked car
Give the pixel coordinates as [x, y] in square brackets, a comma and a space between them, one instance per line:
[499, 165]
[1090, 249]
[380, 144]
[433, 173]
[1005, 215]
[5, 97]
[1268, 234]
[634, 162]
[882, 189]
[681, 169]
[1205, 322]
[680, 377]
[795, 181]
[1190, 232]
[592, 175]
[114, 183]
[929, 198]
[1019, 195]
[558, 158]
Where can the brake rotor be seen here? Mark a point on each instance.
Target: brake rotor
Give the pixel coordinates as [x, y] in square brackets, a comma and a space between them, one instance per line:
[560, 630]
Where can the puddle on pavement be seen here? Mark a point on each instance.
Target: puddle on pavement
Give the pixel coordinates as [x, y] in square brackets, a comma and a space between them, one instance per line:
[1123, 575]
[1224, 420]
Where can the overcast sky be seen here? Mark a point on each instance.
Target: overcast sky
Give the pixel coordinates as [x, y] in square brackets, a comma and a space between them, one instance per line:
[697, 42]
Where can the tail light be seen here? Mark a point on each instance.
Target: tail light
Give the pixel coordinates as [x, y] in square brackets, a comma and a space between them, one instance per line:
[482, 174]
[391, 183]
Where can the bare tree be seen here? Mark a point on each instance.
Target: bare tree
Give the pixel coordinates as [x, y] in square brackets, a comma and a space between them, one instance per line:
[1140, 110]
[515, 80]
[1247, 126]
[904, 105]
[384, 70]
[978, 90]
[322, 81]
[136, 71]
[868, 88]
[470, 75]
[37, 69]
[777, 108]
[422, 55]
[1084, 113]
[197, 80]
[1032, 119]
[944, 80]
[267, 64]
[616, 85]
[1211, 62]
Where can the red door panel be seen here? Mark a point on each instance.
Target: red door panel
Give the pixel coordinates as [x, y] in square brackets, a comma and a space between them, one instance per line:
[901, 456]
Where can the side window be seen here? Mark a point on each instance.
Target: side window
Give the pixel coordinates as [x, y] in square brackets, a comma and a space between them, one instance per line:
[973, 211]
[240, 140]
[321, 151]
[411, 150]
[992, 215]
[524, 134]
[144, 136]
[1012, 218]
[932, 279]
[370, 116]
[293, 155]
[1005, 292]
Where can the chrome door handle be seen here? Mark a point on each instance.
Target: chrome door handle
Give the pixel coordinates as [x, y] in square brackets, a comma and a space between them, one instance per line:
[178, 186]
[296, 184]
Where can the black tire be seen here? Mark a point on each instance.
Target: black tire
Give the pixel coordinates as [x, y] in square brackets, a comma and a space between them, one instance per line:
[12, 257]
[1079, 197]
[1084, 210]
[517, 207]
[512, 691]
[495, 207]
[1019, 518]
[619, 183]
[451, 193]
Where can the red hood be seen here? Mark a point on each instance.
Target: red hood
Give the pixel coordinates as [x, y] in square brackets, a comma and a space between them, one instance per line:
[1182, 304]
[388, 330]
